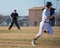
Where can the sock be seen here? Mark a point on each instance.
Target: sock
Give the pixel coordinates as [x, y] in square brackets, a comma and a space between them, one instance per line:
[35, 39]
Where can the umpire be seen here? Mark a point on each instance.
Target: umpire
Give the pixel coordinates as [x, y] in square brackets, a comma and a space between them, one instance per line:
[52, 20]
[14, 17]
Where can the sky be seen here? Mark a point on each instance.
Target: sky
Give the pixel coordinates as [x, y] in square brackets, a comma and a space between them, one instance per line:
[22, 6]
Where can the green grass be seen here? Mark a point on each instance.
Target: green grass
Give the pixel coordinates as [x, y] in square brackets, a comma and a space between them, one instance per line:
[15, 38]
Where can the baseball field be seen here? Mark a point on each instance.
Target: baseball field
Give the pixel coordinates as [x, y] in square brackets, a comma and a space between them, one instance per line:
[15, 38]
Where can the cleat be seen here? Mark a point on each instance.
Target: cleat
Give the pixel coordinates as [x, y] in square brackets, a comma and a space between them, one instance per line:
[33, 43]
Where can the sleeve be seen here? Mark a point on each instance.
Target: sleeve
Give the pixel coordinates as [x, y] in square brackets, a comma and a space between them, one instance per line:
[11, 14]
[47, 13]
[54, 14]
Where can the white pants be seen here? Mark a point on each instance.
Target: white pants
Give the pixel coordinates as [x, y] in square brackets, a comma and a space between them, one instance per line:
[43, 26]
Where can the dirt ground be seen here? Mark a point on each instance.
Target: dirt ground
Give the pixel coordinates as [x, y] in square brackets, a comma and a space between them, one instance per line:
[15, 38]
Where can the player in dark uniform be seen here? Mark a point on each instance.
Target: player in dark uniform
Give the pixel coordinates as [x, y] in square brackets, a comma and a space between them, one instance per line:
[14, 17]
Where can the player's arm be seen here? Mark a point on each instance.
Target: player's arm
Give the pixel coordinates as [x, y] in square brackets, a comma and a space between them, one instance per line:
[12, 15]
[54, 15]
[47, 14]
[50, 17]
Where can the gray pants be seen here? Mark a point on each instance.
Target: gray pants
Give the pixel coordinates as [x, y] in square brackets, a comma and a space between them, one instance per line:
[16, 23]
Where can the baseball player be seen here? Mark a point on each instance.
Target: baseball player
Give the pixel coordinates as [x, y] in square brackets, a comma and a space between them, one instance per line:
[14, 17]
[44, 24]
[52, 20]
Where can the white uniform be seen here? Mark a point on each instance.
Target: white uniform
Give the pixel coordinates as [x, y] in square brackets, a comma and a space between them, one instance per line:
[44, 24]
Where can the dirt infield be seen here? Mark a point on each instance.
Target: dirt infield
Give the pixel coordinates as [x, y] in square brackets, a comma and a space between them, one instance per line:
[15, 38]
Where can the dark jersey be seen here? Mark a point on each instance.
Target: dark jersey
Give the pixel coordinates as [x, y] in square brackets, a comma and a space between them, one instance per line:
[14, 16]
[52, 11]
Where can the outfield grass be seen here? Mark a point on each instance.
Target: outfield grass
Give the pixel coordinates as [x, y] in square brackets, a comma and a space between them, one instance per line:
[15, 38]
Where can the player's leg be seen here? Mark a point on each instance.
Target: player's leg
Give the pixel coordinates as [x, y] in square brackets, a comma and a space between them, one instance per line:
[50, 29]
[11, 25]
[45, 28]
[38, 35]
[16, 23]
